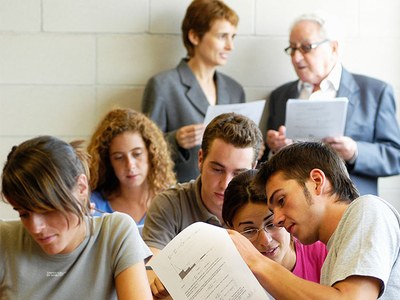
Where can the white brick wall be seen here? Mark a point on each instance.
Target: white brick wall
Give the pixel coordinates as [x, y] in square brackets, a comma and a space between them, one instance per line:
[64, 63]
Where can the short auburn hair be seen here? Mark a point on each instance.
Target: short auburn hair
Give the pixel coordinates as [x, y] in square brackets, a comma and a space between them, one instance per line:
[200, 16]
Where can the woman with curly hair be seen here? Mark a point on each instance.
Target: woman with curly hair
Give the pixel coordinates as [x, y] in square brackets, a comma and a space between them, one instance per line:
[130, 164]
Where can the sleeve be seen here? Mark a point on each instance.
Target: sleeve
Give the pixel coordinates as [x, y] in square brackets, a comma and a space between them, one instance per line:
[381, 157]
[362, 248]
[155, 107]
[242, 96]
[161, 224]
[128, 247]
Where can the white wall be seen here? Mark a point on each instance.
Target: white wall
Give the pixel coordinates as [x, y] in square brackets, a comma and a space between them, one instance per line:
[64, 63]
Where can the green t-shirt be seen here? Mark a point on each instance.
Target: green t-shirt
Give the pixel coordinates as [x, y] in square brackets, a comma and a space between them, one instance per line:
[26, 272]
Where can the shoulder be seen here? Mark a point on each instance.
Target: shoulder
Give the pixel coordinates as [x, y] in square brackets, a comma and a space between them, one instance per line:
[284, 88]
[175, 196]
[229, 81]
[367, 82]
[170, 77]
[115, 221]
[10, 228]
[163, 78]
[376, 216]
[370, 204]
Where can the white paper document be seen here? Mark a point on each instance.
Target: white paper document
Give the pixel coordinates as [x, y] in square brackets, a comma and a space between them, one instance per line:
[312, 120]
[253, 110]
[202, 263]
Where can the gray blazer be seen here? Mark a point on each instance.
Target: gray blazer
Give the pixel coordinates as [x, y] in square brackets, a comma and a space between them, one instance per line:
[174, 99]
[371, 122]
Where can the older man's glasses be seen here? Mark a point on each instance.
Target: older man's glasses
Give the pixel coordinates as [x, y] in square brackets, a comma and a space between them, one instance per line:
[304, 48]
[252, 233]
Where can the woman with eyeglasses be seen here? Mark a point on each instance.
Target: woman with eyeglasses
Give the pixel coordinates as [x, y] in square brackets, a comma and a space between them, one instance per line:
[245, 210]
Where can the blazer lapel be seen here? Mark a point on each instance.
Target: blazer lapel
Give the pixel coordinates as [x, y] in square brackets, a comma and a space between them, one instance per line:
[348, 87]
[293, 92]
[222, 90]
[194, 92]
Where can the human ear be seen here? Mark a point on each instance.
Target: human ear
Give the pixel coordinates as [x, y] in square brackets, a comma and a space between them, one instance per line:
[318, 178]
[83, 186]
[193, 37]
[335, 48]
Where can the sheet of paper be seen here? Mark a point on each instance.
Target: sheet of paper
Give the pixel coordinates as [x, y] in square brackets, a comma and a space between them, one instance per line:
[312, 120]
[253, 110]
[201, 263]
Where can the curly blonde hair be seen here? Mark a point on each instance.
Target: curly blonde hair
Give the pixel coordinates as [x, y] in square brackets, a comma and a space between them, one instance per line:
[117, 121]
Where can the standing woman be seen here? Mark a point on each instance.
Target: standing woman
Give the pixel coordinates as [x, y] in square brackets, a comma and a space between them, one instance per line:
[130, 163]
[177, 99]
[56, 250]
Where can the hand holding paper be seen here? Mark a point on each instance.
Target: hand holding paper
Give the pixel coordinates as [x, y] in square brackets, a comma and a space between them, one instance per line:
[315, 119]
[201, 263]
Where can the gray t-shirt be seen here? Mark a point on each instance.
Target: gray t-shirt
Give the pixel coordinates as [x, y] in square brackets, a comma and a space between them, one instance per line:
[26, 272]
[366, 243]
[172, 211]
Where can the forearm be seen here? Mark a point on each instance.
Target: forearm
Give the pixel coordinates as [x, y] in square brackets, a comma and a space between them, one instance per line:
[283, 284]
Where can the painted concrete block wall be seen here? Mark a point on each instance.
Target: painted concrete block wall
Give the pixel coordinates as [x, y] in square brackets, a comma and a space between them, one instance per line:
[65, 63]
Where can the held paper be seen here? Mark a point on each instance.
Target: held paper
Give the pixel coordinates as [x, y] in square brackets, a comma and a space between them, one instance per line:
[201, 263]
[312, 120]
[253, 110]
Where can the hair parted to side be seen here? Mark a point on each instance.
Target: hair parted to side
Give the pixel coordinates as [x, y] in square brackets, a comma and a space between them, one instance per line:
[239, 192]
[234, 129]
[115, 122]
[200, 16]
[41, 174]
[296, 161]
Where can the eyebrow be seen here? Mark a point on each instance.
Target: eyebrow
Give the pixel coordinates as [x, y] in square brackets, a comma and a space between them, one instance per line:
[246, 223]
[123, 152]
[217, 163]
[271, 200]
[222, 166]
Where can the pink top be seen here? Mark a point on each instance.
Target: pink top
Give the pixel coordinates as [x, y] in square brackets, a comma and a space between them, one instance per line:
[309, 260]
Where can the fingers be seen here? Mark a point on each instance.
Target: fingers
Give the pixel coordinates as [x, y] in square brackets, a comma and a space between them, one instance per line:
[158, 290]
[345, 146]
[189, 136]
[277, 139]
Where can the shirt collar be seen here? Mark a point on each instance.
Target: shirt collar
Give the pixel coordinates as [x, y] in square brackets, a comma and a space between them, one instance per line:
[331, 81]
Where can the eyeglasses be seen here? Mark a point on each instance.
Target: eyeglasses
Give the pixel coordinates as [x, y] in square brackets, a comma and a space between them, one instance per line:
[252, 233]
[304, 48]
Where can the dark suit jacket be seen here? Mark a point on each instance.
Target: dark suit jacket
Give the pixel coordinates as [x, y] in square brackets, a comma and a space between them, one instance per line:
[174, 99]
[371, 122]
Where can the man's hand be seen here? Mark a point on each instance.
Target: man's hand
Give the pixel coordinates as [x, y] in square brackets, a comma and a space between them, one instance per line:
[345, 146]
[277, 139]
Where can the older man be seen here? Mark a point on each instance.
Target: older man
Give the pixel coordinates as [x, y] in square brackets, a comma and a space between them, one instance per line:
[371, 143]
